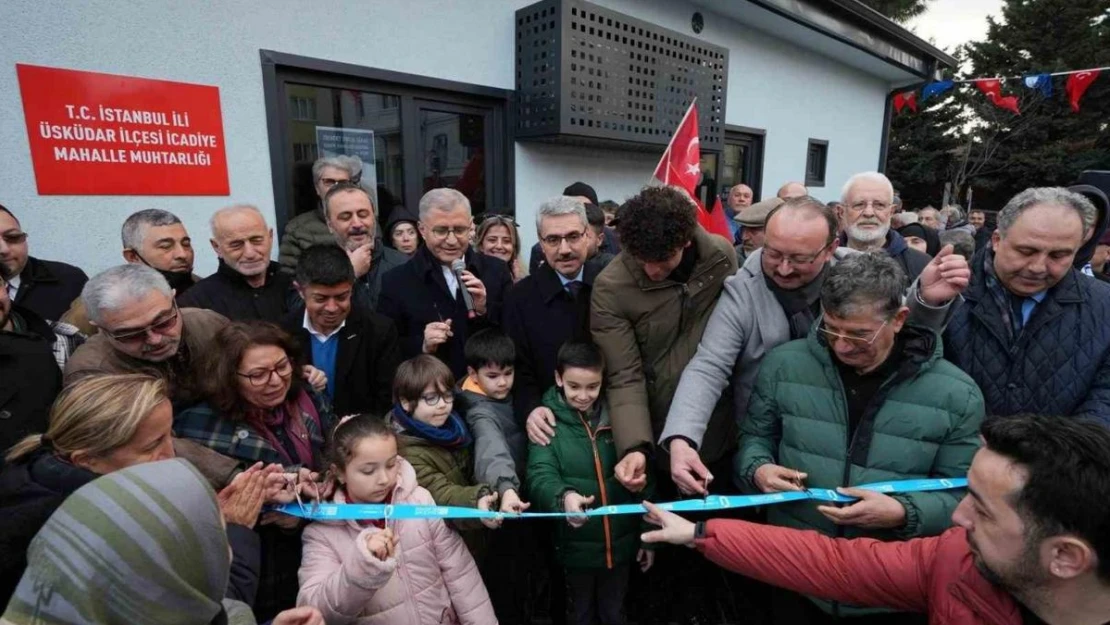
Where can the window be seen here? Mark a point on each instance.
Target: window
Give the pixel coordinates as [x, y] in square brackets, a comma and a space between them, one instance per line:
[302, 108]
[816, 158]
[412, 134]
[742, 161]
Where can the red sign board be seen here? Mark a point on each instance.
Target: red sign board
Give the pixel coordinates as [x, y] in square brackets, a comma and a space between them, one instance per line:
[102, 134]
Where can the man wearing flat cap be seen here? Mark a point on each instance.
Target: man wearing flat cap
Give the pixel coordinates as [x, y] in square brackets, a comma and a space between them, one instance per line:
[753, 220]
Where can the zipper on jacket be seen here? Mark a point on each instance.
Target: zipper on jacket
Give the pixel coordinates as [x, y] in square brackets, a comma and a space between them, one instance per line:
[601, 485]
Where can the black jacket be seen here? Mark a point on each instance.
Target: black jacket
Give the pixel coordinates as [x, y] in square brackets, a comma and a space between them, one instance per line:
[30, 491]
[30, 379]
[540, 315]
[1059, 364]
[415, 294]
[368, 288]
[48, 287]
[228, 293]
[367, 358]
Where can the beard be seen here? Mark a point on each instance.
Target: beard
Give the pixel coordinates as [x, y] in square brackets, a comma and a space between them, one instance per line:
[873, 235]
[1023, 578]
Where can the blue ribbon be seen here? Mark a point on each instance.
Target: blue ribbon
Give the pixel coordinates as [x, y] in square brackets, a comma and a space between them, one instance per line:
[368, 511]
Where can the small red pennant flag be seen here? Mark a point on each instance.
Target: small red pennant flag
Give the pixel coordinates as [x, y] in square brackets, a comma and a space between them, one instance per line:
[1077, 86]
[992, 88]
[904, 99]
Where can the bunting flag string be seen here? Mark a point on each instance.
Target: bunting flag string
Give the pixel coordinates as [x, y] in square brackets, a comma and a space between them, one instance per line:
[1079, 80]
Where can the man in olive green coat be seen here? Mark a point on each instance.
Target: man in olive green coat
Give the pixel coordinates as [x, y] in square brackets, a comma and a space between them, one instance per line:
[647, 313]
[864, 398]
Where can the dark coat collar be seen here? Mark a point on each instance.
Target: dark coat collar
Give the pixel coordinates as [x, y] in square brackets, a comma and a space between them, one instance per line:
[550, 286]
[36, 272]
[1067, 291]
[239, 280]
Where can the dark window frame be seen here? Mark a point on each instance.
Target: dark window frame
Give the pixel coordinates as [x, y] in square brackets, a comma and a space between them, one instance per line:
[756, 140]
[822, 149]
[415, 92]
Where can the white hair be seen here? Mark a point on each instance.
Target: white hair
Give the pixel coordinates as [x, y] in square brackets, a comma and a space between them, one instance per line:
[906, 218]
[229, 210]
[114, 288]
[867, 176]
[350, 164]
[558, 206]
[443, 199]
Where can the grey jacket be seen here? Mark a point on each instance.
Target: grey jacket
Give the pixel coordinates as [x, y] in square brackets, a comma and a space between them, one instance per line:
[368, 288]
[500, 446]
[747, 323]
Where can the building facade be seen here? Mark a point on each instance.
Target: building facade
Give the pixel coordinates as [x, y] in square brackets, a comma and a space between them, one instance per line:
[430, 85]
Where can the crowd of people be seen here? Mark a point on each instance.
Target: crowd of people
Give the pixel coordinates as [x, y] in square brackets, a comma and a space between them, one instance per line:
[152, 419]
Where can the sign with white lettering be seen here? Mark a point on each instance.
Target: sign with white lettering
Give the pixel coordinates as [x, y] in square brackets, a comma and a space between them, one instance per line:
[103, 134]
[358, 142]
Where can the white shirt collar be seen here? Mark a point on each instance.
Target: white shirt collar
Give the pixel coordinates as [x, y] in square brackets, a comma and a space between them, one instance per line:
[13, 287]
[320, 336]
[578, 278]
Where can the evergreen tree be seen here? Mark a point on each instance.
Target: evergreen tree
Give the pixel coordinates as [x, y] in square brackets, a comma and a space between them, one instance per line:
[922, 150]
[898, 10]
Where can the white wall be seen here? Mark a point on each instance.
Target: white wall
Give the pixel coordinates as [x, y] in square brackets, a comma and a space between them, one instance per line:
[792, 94]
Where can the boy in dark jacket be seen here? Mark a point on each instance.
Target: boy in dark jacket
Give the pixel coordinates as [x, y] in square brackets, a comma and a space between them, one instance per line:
[576, 471]
[500, 448]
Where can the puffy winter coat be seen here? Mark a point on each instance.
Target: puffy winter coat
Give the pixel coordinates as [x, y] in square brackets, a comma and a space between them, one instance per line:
[935, 575]
[582, 458]
[923, 423]
[432, 578]
[449, 476]
[1058, 365]
[303, 231]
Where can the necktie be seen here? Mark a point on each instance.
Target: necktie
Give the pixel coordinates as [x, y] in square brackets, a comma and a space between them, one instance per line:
[573, 287]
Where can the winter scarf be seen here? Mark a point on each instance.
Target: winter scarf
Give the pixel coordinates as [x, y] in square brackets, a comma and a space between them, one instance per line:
[451, 435]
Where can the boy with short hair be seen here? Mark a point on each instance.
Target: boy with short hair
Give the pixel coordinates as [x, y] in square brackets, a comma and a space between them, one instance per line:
[575, 471]
[485, 396]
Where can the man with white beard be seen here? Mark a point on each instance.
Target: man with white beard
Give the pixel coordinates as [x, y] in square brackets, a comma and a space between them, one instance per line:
[867, 206]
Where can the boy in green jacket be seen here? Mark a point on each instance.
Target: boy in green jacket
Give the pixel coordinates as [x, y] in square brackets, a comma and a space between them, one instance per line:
[574, 472]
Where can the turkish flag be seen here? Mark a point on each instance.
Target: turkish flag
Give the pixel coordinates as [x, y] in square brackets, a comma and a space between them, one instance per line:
[1077, 86]
[992, 88]
[680, 166]
[904, 99]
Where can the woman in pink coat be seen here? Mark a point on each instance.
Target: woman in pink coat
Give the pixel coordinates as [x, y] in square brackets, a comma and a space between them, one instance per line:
[416, 572]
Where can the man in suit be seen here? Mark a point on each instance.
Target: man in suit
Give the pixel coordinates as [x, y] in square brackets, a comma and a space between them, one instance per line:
[424, 297]
[45, 287]
[354, 346]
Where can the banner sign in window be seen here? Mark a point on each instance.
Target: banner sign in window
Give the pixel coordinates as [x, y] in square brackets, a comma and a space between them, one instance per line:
[103, 134]
[358, 142]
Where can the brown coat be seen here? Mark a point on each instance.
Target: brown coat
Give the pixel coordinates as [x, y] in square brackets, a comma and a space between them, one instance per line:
[648, 332]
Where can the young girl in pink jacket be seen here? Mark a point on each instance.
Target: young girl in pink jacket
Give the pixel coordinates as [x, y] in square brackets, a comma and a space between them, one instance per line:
[394, 572]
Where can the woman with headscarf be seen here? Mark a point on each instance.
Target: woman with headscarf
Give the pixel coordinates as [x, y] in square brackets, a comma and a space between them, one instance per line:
[259, 411]
[145, 544]
[97, 425]
[921, 238]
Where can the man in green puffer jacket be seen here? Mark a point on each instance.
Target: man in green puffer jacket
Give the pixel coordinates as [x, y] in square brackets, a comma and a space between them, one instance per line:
[865, 398]
[574, 472]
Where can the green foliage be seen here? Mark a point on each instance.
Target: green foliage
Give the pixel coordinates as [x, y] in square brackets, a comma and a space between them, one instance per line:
[898, 10]
[997, 153]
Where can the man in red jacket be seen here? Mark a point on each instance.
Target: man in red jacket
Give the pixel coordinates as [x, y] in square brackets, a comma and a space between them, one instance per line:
[1031, 546]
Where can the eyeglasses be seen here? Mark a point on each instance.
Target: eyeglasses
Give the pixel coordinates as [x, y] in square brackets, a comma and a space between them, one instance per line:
[138, 336]
[879, 207]
[283, 370]
[331, 182]
[433, 399]
[441, 232]
[555, 240]
[794, 260]
[14, 238]
[856, 341]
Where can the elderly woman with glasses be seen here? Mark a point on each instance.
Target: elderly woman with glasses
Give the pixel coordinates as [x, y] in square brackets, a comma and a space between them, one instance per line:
[258, 410]
[864, 398]
[498, 237]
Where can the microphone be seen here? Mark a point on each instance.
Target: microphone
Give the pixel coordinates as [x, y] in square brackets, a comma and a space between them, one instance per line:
[458, 266]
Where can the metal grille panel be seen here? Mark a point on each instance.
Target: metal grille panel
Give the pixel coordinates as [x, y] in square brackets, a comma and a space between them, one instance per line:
[584, 72]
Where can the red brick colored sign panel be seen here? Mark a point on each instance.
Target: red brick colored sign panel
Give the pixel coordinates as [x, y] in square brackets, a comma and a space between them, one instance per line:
[103, 134]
